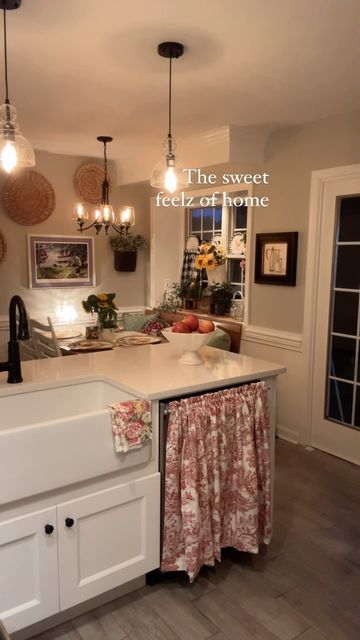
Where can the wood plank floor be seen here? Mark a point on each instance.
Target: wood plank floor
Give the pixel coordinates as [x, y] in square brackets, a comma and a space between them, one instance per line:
[306, 585]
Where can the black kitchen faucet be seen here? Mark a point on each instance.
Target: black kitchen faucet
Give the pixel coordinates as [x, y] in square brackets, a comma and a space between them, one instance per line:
[13, 364]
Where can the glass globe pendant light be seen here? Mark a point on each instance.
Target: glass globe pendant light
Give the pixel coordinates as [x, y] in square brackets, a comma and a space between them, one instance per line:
[102, 215]
[167, 174]
[15, 150]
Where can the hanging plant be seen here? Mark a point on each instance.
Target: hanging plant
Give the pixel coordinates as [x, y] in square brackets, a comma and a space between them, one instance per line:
[125, 248]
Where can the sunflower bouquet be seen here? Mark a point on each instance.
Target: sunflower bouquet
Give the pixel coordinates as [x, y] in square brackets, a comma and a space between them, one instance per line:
[102, 304]
[210, 255]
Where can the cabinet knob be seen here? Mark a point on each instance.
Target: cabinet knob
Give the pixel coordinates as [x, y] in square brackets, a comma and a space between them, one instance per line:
[69, 522]
[49, 529]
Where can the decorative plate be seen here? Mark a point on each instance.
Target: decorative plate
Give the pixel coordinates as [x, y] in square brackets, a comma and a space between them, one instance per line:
[237, 244]
[3, 247]
[192, 243]
[91, 345]
[88, 183]
[28, 198]
[134, 341]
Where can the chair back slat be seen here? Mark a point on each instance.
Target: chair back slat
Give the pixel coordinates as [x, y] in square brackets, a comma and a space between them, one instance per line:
[44, 339]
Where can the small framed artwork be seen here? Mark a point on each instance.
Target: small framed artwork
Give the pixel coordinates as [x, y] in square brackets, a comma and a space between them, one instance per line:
[275, 258]
[61, 261]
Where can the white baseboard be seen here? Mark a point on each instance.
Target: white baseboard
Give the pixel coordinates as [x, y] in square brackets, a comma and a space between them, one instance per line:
[287, 434]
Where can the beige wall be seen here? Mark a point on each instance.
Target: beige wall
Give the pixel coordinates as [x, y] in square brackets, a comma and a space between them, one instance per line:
[130, 288]
[291, 155]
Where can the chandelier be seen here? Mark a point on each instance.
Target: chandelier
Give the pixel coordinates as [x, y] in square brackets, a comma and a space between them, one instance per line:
[102, 216]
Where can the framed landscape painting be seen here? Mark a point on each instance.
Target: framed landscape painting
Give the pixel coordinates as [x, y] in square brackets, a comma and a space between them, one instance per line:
[275, 258]
[61, 261]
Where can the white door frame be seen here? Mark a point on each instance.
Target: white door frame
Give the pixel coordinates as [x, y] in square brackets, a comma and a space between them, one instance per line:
[319, 180]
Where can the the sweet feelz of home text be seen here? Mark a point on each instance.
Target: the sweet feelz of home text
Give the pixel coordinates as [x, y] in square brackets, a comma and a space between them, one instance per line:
[196, 176]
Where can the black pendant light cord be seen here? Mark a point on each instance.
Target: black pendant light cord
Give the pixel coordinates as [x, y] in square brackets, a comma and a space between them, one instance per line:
[105, 184]
[170, 90]
[170, 145]
[105, 161]
[7, 101]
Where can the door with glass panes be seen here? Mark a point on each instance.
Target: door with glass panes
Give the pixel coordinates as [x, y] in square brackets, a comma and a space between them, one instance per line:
[336, 390]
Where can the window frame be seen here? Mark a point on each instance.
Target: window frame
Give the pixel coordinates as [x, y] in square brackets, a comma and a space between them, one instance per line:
[227, 226]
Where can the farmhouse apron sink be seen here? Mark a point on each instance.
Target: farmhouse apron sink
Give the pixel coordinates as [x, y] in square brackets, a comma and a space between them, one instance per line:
[54, 437]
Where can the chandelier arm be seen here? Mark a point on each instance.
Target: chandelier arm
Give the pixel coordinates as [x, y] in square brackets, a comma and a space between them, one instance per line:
[121, 228]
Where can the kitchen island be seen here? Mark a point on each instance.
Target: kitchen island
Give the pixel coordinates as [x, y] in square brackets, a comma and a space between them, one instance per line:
[78, 520]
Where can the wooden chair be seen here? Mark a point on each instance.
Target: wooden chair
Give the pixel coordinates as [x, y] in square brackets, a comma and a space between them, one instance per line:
[3, 633]
[27, 351]
[43, 339]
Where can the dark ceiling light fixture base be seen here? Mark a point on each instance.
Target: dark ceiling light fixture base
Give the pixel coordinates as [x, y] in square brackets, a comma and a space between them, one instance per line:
[103, 139]
[8, 5]
[170, 49]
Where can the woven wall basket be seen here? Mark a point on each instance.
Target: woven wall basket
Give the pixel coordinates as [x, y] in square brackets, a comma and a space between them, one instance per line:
[88, 182]
[3, 247]
[28, 198]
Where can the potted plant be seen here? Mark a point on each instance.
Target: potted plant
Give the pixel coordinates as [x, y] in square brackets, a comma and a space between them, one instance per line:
[125, 248]
[103, 304]
[221, 295]
[189, 292]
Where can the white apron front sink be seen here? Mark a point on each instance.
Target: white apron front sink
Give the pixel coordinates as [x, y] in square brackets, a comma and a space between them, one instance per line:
[51, 438]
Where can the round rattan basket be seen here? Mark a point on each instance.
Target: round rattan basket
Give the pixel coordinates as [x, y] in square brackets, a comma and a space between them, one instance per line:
[3, 247]
[28, 198]
[88, 182]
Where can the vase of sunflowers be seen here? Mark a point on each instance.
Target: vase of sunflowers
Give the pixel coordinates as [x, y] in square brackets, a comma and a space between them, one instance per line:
[103, 304]
[212, 256]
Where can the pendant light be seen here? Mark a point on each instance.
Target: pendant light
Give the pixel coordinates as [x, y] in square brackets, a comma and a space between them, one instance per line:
[15, 150]
[102, 216]
[167, 175]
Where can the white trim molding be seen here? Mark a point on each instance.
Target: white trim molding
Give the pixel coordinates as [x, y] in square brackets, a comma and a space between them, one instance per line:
[284, 433]
[319, 180]
[82, 319]
[273, 337]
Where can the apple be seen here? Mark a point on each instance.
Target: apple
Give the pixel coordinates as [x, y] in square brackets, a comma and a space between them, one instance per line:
[206, 326]
[191, 321]
[180, 327]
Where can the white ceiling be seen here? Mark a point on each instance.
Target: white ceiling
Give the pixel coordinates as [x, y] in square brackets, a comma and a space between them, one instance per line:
[82, 68]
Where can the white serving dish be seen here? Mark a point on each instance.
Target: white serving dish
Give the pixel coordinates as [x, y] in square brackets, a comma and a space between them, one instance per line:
[188, 343]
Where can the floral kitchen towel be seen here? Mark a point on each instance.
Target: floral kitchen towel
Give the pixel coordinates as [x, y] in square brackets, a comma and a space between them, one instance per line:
[131, 424]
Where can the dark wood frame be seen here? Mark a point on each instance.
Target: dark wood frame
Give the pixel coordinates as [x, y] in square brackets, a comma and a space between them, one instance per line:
[289, 277]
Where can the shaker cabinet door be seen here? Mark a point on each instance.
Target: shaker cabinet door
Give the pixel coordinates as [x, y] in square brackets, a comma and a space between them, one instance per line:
[108, 538]
[29, 589]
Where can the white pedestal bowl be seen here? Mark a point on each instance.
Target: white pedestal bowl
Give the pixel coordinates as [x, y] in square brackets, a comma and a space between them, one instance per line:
[188, 343]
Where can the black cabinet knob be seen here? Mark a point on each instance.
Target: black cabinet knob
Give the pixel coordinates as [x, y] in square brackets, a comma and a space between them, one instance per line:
[69, 522]
[49, 529]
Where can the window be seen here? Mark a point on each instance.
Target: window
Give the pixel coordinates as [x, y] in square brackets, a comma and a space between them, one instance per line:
[230, 224]
[343, 382]
[205, 222]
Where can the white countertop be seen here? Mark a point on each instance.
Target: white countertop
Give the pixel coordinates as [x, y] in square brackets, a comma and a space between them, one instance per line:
[150, 371]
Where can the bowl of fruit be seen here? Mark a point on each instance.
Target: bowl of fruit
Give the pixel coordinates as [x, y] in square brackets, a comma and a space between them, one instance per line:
[189, 335]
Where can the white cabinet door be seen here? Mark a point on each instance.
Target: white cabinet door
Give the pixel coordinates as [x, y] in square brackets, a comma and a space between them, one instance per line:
[108, 538]
[29, 589]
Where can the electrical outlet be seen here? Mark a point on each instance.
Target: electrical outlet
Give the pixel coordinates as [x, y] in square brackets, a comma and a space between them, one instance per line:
[166, 283]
